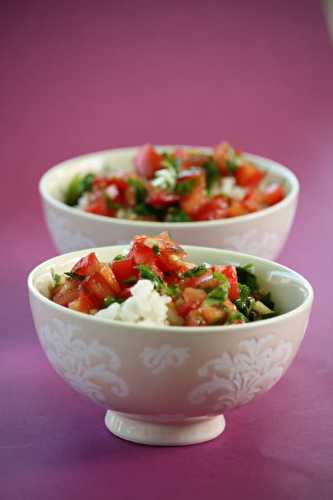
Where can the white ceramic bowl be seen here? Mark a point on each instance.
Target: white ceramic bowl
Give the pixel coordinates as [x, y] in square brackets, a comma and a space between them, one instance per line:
[261, 233]
[171, 385]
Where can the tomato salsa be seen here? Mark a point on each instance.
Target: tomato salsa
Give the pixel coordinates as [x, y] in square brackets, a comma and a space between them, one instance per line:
[179, 186]
[192, 294]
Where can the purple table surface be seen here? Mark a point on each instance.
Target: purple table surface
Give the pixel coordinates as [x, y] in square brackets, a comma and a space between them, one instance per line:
[83, 76]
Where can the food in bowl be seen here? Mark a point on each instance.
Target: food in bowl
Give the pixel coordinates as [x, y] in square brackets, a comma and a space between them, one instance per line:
[169, 385]
[181, 185]
[153, 283]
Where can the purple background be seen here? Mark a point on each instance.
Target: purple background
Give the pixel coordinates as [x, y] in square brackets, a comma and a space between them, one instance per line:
[83, 76]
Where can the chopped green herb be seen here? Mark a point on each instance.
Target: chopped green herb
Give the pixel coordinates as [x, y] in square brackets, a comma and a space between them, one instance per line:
[56, 277]
[109, 300]
[176, 214]
[74, 276]
[87, 183]
[130, 281]
[247, 277]
[156, 249]
[220, 277]
[139, 189]
[148, 274]
[233, 161]
[185, 187]
[217, 296]
[245, 302]
[195, 271]
[212, 173]
[171, 290]
[235, 316]
[77, 187]
[120, 257]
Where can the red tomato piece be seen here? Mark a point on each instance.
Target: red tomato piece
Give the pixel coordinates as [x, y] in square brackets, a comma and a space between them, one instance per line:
[185, 308]
[87, 265]
[213, 315]
[248, 175]
[159, 198]
[98, 205]
[124, 269]
[237, 208]
[147, 161]
[83, 303]
[254, 200]
[103, 182]
[273, 194]
[206, 280]
[194, 295]
[230, 273]
[215, 208]
[221, 155]
[107, 273]
[194, 200]
[98, 287]
[67, 292]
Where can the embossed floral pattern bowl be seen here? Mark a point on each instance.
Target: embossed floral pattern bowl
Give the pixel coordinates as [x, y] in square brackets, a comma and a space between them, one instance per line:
[171, 385]
[261, 233]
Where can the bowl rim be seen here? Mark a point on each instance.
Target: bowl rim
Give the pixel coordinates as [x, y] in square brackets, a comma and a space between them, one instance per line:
[281, 169]
[224, 329]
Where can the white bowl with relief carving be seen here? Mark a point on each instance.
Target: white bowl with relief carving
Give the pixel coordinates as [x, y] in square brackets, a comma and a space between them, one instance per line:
[171, 385]
[262, 233]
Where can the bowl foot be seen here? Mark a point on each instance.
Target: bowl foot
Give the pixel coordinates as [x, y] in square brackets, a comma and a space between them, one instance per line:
[145, 431]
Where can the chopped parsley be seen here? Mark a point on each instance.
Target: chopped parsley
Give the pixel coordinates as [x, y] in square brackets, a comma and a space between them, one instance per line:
[196, 271]
[247, 277]
[146, 273]
[110, 300]
[74, 276]
[120, 257]
[185, 187]
[77, 187]
[56, 278]
[217, 296]
[212, 173]
[156, 249]
[176, 214]
[245, 302]
[130, 281]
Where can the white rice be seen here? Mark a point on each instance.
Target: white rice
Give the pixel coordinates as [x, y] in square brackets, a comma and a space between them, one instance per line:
[145, 307]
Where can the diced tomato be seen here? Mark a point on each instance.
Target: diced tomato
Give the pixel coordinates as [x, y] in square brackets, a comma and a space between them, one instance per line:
[254, 200]
[103, 182]
[159, 198]
[215, 208]
[194, 295]
[213, 315]
[195, 318]
[273, 194]
[189, 173]
[231, 274]
[205, 281]
[83, 303]
[97, 286]
[237, 208]
[191, 202]
[221, 156]
[185, 308]
[67, 292]
[87, 265]
[248, 175]
[124, 269]
[98, 205]
[110, 278]
[147, 161]
[141, 253]
[230, 306]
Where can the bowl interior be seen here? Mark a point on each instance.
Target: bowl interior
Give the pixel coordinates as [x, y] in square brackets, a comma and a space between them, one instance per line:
[289, 289]
[56, 180]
